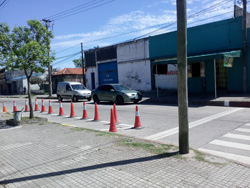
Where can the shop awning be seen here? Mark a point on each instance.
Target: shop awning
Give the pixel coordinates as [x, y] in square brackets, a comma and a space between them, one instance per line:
[202, 57]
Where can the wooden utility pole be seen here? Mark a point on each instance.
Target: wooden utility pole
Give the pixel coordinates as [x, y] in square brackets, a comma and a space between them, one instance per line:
[182, 76]
[47, 25]
[244, 46]
[83, 68]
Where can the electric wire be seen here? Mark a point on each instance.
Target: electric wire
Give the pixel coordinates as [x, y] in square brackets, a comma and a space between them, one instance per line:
[2, 3]
[68, 58]
[163, 24]
[70, 10]
[86, 9]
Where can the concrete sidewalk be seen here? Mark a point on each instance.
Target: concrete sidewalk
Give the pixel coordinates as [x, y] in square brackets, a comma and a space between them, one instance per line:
[51, 155]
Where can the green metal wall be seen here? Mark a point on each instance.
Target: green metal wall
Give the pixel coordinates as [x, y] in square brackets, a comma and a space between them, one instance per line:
[215, 37]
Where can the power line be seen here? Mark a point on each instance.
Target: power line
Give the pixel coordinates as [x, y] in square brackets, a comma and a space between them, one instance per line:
[2, 3]
[74, 11]
[67, 55]
[67, 58]
[71, 10]
[67, 49]
[165, 25]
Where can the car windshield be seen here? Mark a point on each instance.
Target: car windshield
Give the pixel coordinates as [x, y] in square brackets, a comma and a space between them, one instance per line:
[121, 87]
[77, 87]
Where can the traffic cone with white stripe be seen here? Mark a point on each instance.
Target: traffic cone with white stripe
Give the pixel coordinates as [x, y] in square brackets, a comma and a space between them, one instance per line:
[43, 107]
[36, 106]
[96, 118]
[72, 111]
[112, 127]
[4, 108]
[115, 113]
[85, 114]
[26, 106]
[14, 106]
[60, 109]
[50, 108]
[137, 119]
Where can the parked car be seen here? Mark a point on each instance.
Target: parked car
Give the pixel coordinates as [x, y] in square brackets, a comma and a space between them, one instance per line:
[115, 93]
[72, 90]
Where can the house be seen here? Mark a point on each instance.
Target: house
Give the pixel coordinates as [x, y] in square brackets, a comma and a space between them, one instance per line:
[125, 63]
[215, 60]
[67, 74]
[214, 53]
[2, 82]
[12, 82]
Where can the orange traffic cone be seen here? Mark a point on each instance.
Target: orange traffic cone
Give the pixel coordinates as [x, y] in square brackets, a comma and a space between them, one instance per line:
[115, 113]
[50, 108]
[85, 114]
[36, 106]
[43, 107]
[137, 119]
[60, 109]
[14, 106]
[97, 118]
[26, 106]
[112, 127]
[4, 107]
[72, 111]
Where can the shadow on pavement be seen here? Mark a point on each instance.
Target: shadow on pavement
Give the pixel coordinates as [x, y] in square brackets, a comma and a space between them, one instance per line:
[87, 168]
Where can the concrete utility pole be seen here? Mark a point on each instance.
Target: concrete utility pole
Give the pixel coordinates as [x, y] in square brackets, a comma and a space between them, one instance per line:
[182, 76]
[83, 67]
[244, 46]
[47, 25]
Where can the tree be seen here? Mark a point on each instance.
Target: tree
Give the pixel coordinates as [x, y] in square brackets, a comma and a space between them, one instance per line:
[26, 48]
[78, 62]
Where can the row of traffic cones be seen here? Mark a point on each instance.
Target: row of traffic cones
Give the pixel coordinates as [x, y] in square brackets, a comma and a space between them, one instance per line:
[113, 114]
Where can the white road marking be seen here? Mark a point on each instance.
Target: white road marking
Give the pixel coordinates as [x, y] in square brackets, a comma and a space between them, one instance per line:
[191, 125]
[235, 157]
[243, 130]
[237, 136]
[230, 144]
[248, 124]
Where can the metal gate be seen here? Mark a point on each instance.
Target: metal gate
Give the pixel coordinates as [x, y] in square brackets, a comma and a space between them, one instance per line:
[108, 73]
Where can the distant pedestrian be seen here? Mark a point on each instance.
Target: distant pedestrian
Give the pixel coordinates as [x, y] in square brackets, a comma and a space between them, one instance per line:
[24, 90]
[21, 90]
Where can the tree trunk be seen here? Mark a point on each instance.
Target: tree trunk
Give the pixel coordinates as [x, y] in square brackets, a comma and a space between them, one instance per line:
[30, 101]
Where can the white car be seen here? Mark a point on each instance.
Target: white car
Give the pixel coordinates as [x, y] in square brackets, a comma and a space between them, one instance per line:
[72, 90]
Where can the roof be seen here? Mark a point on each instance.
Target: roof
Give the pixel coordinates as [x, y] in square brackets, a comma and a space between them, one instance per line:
[67, 71]
[219, 55]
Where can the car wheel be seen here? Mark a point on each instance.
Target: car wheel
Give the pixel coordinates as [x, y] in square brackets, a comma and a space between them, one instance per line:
[89, 99]
[119, 100]
[96, 100]
[75, 98]
[136, 101]
[60, 98]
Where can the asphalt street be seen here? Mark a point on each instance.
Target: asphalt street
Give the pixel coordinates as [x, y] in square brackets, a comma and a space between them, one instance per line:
[221, 131]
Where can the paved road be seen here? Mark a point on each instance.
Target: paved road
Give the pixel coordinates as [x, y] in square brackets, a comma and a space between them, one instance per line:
[221, 131]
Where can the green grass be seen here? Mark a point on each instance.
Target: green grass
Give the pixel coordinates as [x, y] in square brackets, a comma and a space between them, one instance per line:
[151, 147]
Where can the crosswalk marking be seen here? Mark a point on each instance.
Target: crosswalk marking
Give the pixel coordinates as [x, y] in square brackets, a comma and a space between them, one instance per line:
[243, 130]
[175, 130]
[230, 144]
[237, 136]
[235, 157]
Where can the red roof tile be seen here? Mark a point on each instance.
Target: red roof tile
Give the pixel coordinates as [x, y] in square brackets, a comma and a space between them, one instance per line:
[67, 71]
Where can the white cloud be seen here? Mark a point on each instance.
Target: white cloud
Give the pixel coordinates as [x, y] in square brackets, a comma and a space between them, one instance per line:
[138, 23]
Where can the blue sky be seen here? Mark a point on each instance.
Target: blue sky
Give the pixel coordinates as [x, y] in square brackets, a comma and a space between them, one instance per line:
[108, 22]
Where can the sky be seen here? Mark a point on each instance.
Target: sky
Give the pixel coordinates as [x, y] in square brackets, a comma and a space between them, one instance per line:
[107, 22]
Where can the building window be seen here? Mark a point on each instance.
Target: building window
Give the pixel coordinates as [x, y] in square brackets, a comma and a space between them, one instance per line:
[196, 69]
